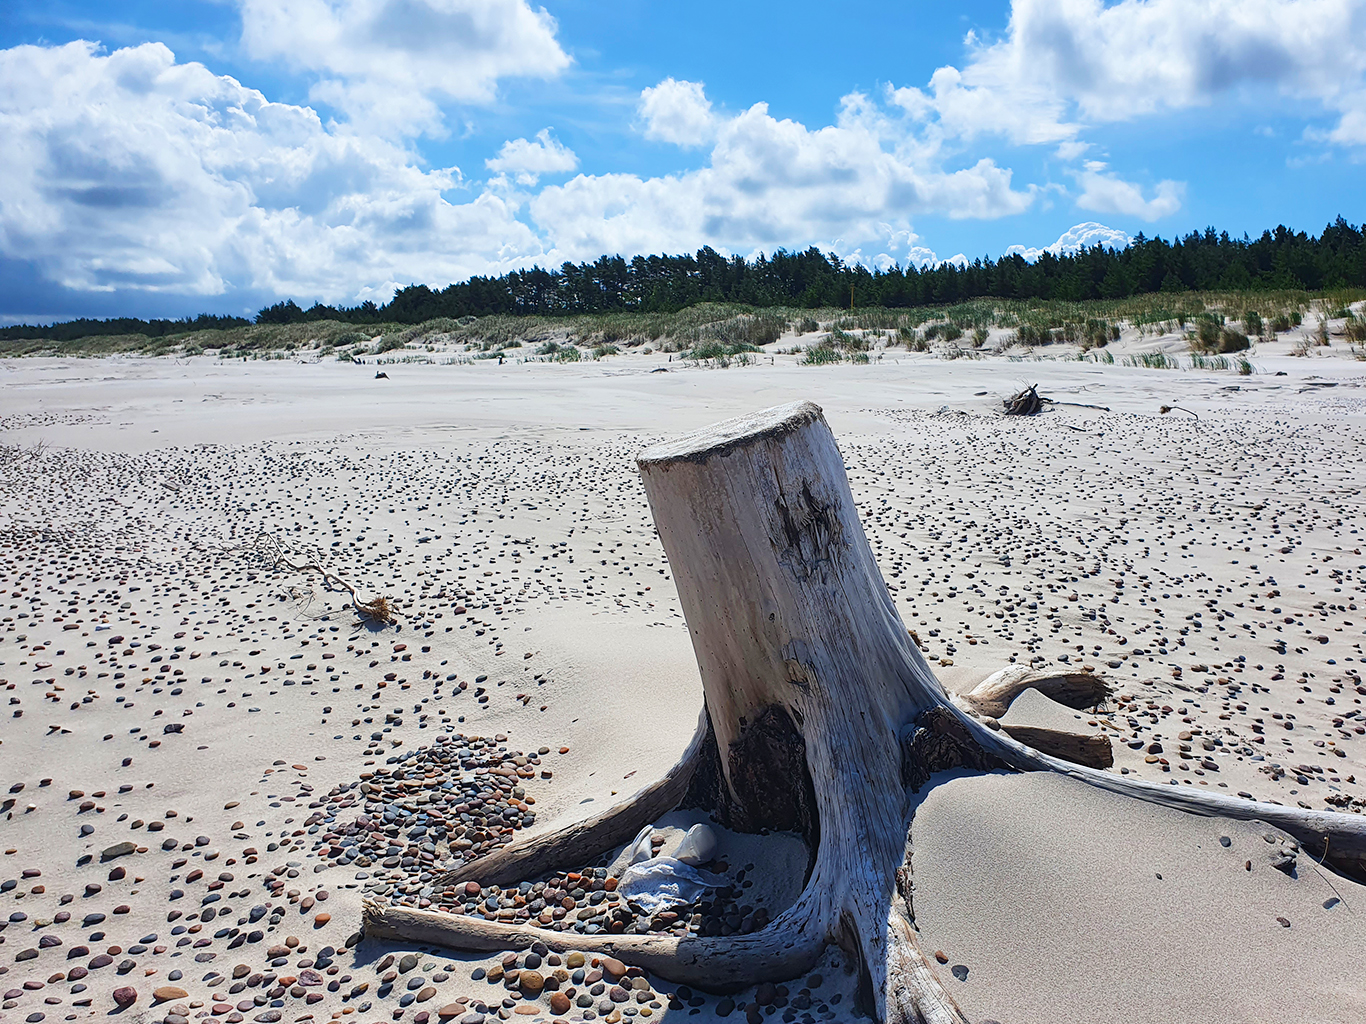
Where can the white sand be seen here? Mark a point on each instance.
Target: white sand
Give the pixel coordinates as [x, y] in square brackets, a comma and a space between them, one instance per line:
[1094, 537]
[1048, 891]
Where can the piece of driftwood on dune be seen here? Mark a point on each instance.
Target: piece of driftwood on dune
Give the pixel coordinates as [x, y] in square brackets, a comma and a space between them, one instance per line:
[821, 717]
[1025, 403]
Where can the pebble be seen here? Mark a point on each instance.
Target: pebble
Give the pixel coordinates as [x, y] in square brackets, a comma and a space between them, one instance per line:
[531, 983]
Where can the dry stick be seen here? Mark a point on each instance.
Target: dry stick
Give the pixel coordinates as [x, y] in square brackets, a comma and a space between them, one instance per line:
[1318, 870]
[1169, 408]
[1076, 405]
[378, 609]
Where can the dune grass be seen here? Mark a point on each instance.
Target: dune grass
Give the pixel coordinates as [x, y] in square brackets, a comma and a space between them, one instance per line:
[724, 327]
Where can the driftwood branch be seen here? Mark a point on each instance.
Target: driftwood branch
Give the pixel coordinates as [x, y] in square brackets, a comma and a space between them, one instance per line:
[1024, 403]
[378, 608]
[1164, 409]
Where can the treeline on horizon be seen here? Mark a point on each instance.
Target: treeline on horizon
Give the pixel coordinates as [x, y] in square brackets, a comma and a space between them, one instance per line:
[1208, 261]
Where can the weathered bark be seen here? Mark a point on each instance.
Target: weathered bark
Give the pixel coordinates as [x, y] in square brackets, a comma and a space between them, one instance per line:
[821, 716]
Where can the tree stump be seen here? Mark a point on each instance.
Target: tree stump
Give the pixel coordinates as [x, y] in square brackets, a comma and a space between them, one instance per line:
[1024, 403]
[821, 716]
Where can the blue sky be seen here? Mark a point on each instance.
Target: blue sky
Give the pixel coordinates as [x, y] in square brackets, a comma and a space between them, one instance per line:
[164, 159]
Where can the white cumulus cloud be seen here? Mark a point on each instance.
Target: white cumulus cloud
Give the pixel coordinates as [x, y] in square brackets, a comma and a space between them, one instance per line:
[391, 64]
[1105, 192]
[527, 161]
[677, 112]
[1074, 239]
[772, 182]
[128, 171]
[1063, 64]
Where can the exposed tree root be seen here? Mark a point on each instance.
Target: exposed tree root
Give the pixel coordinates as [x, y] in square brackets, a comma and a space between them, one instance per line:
[1338, 840]
[914, 992]
[1093, 751]
[993, 696]
[789, 947]
[580, 842]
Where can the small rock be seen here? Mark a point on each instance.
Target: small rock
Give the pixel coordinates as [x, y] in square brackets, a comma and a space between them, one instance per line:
[167, 993]
[531, 983]
[125, 995]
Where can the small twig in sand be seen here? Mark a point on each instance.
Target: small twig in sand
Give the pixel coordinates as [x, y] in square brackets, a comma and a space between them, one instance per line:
[1176, 408]
[1077, 405]
[1319, 872]
[379, 608]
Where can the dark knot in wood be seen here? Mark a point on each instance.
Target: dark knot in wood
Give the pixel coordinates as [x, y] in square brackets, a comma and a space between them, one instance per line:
[811, 531]
[938, 742]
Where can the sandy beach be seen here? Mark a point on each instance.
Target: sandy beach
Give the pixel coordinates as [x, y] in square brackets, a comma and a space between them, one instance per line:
[210, 759]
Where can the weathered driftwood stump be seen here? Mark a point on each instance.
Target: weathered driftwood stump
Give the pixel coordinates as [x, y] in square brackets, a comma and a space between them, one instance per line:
[821, 716]
[1024, 403]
